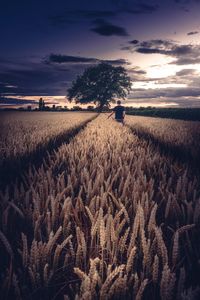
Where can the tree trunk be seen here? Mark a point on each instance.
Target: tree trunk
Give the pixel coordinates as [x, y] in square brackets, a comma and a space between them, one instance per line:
[101, 105]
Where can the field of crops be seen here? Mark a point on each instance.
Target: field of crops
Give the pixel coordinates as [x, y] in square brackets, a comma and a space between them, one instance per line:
[26, 136]
[174, 133]
[105, 216]
[22, 132]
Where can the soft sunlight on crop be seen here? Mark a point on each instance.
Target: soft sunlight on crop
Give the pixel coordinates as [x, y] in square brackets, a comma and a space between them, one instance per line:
[107, 215]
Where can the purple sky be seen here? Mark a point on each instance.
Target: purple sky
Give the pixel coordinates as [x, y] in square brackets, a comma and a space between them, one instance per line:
[46, 44]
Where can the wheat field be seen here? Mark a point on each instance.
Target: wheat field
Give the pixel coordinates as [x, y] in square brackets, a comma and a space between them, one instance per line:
[22, 132]
[174, 133]
[26, 137]
[105, 216]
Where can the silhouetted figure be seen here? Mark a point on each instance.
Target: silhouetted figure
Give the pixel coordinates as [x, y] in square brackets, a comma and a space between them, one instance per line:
[119, 111]
[41, 104]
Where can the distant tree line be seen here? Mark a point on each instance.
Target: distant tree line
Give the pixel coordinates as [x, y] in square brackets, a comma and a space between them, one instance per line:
[192, 114]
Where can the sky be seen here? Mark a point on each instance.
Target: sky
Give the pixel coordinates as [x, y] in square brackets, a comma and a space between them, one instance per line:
[45, 44]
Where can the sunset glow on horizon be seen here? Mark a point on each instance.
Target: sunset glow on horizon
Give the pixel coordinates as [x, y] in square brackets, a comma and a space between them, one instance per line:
[44, 51]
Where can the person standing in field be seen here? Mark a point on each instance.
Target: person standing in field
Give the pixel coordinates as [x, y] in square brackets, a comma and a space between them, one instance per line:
[119, 111]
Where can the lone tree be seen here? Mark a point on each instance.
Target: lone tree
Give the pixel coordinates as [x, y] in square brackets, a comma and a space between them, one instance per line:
[100, 84]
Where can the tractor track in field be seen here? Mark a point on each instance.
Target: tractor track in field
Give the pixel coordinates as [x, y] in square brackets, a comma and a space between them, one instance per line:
[117, 197]
[168, 149]
[13, 169]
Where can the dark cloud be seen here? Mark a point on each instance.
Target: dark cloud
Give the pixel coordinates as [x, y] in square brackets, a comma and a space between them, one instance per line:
[105, 28]
[149, 47]
[184, 54]
[144, 50]
[77, 15]
[187, 77]
[192, 32]
[163, 47]
[186, 72]
[181, 50]
[59, 58]
[186, 61]
[119, 61]
[67, 59]
[166, 92]
[127, 48]
[134, 42]
[126, 7]
[15, 101]
[33, 79]
[137, 74]
[165, 101]
[162, 44]
[137, 70]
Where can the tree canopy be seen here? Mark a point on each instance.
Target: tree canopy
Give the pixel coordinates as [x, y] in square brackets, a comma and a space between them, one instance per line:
[101, 85]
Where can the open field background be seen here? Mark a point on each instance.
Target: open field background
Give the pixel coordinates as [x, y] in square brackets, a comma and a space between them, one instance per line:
[111, 214]
[192, 114]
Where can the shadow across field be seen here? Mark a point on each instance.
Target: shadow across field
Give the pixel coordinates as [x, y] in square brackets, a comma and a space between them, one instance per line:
[13, 169]
[177, 152]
